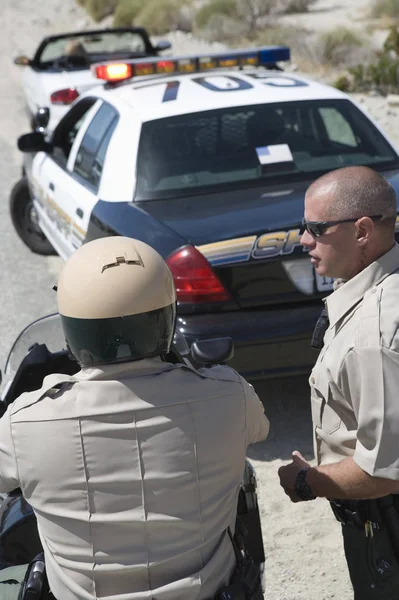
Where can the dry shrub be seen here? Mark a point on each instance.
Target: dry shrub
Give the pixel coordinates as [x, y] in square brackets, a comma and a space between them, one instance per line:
[339, 46]
[223, 29]
[99, 9]
[212, 8]
[300, 43]
[126, 12]
[162, 16]
[229, 20]
[298, 6]
[385, 8]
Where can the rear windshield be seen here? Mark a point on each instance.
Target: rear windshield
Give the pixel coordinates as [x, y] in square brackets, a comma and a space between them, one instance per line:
[216, 149]
[93, 46]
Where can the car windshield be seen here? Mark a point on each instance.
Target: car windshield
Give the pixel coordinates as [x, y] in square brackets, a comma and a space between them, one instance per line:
[94, 46]
[216, 149]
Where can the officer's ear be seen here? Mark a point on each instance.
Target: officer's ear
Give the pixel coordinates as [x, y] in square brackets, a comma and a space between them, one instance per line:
[364, 230]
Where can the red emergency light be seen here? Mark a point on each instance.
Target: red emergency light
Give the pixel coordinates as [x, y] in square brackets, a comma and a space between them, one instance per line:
[114, 71]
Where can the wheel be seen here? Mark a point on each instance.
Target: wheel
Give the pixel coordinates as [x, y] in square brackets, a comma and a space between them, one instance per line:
[24, 219]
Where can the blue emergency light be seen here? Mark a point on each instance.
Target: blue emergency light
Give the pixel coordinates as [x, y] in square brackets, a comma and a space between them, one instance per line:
[139, 67]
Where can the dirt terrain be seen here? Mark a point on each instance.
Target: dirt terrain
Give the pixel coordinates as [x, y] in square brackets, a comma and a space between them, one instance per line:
[303, 544]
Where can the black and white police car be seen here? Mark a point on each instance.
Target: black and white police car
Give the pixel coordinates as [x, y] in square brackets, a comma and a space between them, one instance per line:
[206, 158]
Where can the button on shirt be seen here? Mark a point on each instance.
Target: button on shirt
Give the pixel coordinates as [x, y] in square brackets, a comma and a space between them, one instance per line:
[355, 381]
[133, 471]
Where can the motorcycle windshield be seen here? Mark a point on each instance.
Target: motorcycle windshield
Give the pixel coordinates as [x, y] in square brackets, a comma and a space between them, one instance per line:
[46, 330]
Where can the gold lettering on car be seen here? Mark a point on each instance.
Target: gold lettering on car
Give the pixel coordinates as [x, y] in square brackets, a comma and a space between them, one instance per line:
[269, 244]
[276, 243]
[293, 240]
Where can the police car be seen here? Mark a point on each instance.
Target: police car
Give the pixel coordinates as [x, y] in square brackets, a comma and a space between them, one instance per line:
[60, 68]
[207, 159]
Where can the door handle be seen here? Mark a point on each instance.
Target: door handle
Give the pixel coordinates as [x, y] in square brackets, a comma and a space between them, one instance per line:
[79, 212]
[52, 187]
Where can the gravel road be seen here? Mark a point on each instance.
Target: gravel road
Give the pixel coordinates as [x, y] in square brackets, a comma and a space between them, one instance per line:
[303, 545]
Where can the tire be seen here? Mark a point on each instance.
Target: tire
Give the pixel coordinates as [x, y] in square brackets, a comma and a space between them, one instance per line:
[23, 216]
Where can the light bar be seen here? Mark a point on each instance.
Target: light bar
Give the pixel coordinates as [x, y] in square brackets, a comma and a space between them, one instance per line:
[138, 67]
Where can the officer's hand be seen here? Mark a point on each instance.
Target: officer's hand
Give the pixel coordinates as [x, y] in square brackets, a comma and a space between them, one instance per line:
[288, 473]
[299, 460]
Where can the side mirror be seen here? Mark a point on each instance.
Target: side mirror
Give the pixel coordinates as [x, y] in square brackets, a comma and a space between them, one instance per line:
[163, 45]
[33, 142]
[22, 60]
[213, 351]
[42, 117]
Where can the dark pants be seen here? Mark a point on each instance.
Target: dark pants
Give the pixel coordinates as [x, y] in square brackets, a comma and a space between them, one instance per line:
[373, 568]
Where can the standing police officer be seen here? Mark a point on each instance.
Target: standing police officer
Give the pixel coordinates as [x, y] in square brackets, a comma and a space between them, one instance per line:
[349, 225]
[132, 466]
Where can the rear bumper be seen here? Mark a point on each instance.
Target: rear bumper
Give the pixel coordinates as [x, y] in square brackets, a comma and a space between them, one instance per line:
[268, 343]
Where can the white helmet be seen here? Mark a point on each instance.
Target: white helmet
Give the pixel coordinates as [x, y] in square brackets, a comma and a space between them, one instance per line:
[117, 301]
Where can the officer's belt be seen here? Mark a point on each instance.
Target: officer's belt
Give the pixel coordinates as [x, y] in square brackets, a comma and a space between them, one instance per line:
[359, 512]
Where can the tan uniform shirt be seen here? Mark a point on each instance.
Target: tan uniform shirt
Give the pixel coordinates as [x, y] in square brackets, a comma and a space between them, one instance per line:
[355, 382]
[133, 471]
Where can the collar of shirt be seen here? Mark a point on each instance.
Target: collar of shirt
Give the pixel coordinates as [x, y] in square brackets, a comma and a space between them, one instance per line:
[348, 294]
[136, 368]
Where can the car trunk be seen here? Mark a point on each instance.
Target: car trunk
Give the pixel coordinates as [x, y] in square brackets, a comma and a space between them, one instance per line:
[251, 238]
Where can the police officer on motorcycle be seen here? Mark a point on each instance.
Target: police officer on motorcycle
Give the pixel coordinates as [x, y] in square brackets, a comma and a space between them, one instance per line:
[133, 465]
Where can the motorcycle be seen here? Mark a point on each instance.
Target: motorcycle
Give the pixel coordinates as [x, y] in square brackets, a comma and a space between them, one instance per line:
[40, 350]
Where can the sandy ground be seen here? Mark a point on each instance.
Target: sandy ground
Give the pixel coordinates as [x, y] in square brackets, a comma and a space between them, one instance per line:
[303, 543]
[327, 14]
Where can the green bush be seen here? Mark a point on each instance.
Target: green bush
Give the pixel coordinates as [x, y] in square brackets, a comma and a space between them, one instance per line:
[160, 16]
[336, 44]
[226, 8]
[126, 12]
[385, 8]
[391, 44]
[382, 73]
[98, 9]
[343, 83]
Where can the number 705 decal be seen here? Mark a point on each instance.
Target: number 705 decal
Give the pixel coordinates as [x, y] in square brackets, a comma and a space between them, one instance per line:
[228, 83]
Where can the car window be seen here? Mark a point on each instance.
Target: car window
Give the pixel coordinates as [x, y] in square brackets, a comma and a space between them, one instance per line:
[91, 153]
[67, 129]
[206, 151]
[338, 127]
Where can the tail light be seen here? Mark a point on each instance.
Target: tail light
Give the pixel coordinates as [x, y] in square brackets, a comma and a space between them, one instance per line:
[66, 96]
[195, 280]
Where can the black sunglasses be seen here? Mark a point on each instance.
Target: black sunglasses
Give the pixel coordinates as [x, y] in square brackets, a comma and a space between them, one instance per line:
[317, 228]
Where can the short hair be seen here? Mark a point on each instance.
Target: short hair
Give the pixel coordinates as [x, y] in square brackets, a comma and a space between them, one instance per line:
[357, 192]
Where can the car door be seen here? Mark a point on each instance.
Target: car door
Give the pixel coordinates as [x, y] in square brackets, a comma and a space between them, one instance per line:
[50, 176]
[86, 166]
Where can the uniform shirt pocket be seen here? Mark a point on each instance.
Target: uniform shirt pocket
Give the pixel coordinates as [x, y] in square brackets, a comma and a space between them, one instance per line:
[325, 412]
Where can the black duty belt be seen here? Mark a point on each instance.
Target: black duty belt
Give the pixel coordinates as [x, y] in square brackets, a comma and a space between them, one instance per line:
[361, 512]
[370, 515]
